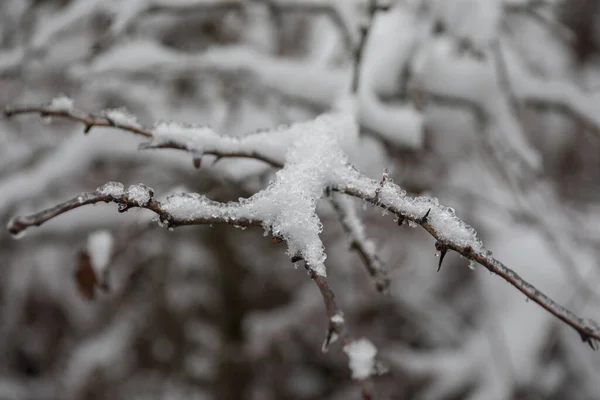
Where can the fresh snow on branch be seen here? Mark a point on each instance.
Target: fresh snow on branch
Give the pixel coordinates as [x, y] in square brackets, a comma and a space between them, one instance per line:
[313, 162]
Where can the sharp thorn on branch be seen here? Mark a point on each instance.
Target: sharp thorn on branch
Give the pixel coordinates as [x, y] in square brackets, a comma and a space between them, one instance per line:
[382, 182]
[329, 339]
[87, 128]
[443, 249]
[589, 340]
[424, 217]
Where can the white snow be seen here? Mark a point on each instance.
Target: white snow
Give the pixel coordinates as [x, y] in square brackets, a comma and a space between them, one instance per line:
[337, 319]
[287, 207]
[61, 103]
[361, 358]
[121, 116]
[140, 194]
[100, 245]
[447, 225]
[112, 189]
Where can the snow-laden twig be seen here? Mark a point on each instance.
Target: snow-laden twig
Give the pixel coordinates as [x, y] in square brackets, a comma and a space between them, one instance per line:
[301, 80]
[90, 121]
[313, 161]
[359, 241]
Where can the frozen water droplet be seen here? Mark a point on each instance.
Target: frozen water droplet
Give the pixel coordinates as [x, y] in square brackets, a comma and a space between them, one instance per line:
[472, 265]
[47, 120]
[171, 229]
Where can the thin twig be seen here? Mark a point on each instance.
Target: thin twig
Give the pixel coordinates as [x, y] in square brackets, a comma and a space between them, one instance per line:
[91, 120]
[359, 242]
[19, 224]
[337, 326]
[588, 330]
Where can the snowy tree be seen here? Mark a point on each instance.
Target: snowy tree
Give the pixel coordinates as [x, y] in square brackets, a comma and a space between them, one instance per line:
[331, 127]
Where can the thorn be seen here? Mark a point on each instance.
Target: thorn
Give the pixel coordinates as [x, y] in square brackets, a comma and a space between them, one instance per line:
[122, 207]
[589, 340]
[401, 220]
[424, 217]
[217, 160]
[382, 182]
[87, 129]
[443, 249]
[197, 161]
[329, 339]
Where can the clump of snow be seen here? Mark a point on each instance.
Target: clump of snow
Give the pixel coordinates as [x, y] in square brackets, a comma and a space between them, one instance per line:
[361, 358]
[287, 207]
[140, 194]
[100, 245]
[120, 116]
[337, 319]
[192, 137]
[448, 226]
[61, 103]
[112, 189]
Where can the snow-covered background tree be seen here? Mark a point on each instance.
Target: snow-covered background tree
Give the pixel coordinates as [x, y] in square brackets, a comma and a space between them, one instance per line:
[332, 127]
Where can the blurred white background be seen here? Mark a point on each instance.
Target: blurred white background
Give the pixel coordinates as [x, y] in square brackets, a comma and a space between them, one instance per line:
[491, 106]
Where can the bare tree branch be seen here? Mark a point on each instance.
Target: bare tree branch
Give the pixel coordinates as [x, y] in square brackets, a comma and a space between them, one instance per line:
[337, 327]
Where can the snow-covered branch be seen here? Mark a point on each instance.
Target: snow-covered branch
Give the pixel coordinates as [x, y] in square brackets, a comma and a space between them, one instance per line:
[313, 162]
[359, 241]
